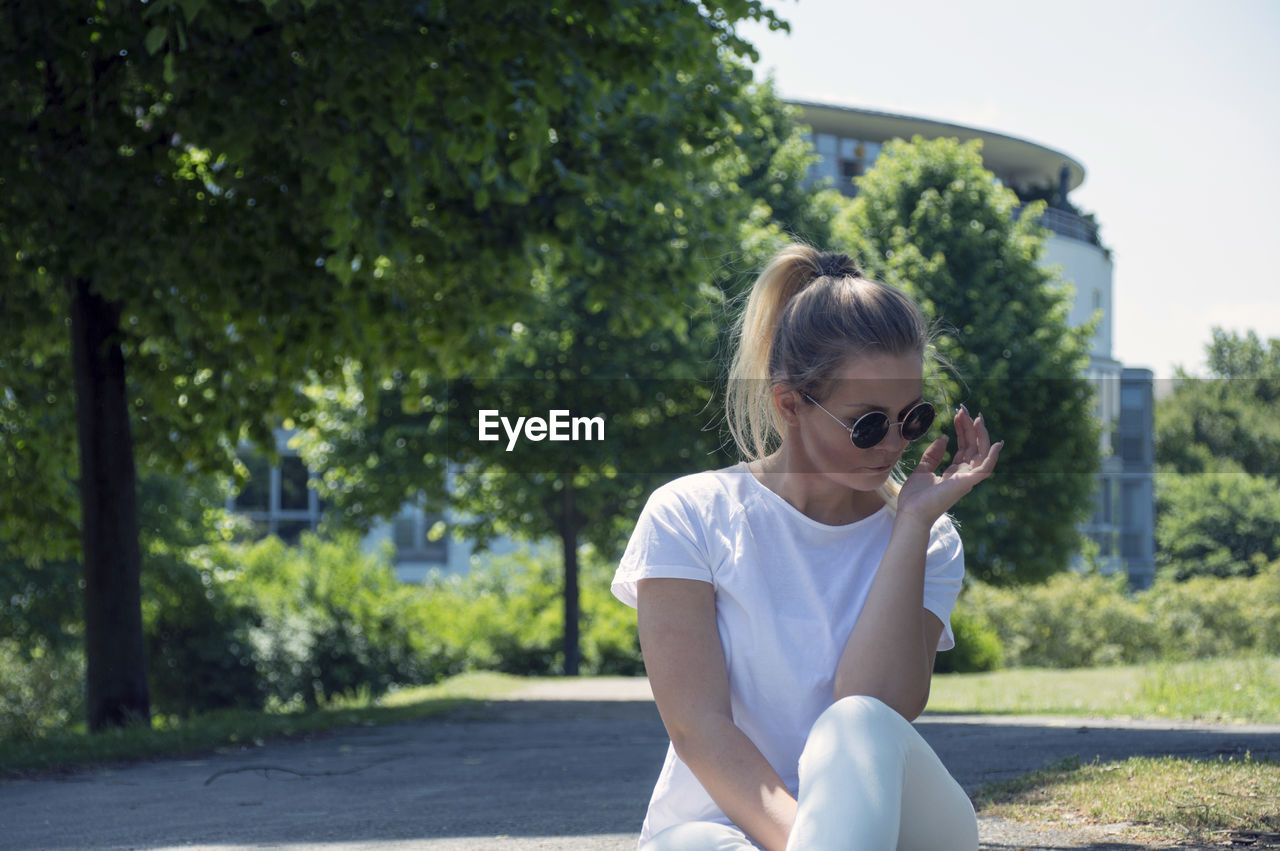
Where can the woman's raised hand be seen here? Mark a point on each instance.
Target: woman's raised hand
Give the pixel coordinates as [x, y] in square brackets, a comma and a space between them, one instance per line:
[927, 495]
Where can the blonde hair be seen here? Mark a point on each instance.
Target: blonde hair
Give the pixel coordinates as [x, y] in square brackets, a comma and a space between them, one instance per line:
[807, 313]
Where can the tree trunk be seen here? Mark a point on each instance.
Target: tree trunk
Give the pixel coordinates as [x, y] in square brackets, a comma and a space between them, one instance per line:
[569, 545]
[115, 650]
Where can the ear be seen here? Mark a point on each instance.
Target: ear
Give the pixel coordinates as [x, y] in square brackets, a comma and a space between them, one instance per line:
[788, 403]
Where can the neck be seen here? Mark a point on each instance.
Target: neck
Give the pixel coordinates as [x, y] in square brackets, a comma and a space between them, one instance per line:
[813, 494]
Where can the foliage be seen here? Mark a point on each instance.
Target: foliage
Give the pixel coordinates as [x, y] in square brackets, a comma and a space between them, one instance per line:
[504, 616]
[1074, 620]
[307, 181]
[931, 220]
[1224, 522]
[1231, 415]
[283, 626]
[1218, 454]
[40, 690]
[647, 367]
[1205, 616]
[977, 645]
[632, 341]
[1068, 621]
[39, 602]
[198, 643]
[329, 619]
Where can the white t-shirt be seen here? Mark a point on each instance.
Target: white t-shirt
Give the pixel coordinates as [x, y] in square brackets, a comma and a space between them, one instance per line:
[788, 591]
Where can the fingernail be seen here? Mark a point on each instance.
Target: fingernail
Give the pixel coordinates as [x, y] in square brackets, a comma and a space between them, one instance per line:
[963, 408]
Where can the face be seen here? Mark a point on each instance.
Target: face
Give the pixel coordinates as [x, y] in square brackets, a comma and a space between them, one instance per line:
[890, 384]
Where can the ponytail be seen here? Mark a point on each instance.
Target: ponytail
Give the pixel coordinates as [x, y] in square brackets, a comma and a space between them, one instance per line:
[753, 420]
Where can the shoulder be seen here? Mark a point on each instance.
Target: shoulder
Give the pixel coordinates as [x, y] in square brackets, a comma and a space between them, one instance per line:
[712, 493]
[676, 534]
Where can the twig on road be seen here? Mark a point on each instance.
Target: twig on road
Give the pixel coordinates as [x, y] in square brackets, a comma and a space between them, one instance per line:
[269, 768]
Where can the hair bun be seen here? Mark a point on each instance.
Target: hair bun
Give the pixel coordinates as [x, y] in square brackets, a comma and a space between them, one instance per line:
[832, 264]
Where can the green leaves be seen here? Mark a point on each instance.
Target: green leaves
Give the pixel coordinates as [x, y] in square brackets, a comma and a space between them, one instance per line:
[931, 220]
[1218, 451]
[156, 38]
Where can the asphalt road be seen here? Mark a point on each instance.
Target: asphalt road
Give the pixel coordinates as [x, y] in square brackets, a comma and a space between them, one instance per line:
[563, 766]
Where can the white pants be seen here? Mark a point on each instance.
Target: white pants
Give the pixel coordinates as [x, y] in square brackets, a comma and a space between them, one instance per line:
[868, 782]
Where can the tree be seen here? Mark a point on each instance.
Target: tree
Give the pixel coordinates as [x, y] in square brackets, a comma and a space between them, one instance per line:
[931, 220]
[1218, 461]
[206, 203]
[1220, 522]
[646, 370]
[1233, 414]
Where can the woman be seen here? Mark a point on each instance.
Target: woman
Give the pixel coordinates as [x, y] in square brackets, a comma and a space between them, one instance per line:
[790, 607]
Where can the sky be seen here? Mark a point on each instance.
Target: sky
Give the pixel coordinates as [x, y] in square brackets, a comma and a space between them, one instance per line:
[1172, 107]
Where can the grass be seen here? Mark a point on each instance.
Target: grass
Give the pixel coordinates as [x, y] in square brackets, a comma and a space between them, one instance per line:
[73, 748]
[1221, 690]
[1165, 799]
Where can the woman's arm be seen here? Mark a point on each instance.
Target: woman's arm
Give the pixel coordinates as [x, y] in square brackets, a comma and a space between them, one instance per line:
[686, 668]
[890, 653]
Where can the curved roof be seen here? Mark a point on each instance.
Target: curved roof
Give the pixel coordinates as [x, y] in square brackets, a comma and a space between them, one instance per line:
[1015, 161]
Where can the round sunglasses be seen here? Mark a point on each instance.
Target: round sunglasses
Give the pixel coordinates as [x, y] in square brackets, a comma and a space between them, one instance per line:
[872, 427]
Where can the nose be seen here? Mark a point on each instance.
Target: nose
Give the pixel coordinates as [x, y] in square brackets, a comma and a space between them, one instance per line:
[893, 439]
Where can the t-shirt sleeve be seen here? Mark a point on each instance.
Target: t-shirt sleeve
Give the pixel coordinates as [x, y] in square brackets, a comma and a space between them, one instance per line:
[669, 542]
[943, 576]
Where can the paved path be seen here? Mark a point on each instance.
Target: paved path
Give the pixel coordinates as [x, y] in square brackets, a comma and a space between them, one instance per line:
[563, 765]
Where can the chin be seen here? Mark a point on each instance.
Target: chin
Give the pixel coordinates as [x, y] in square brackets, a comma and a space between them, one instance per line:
[863, 480]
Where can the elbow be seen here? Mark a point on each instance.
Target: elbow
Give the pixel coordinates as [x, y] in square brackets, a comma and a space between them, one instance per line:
[690, 737]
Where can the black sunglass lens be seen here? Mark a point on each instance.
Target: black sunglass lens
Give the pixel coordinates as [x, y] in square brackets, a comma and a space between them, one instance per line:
[917, 422]
[869, 430]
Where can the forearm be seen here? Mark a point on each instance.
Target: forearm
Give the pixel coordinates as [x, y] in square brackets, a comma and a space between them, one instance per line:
[886, 656]
[739, 779]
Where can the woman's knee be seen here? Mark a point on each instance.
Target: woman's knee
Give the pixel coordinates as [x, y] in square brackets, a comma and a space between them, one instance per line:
[855, 731]
[859, 711]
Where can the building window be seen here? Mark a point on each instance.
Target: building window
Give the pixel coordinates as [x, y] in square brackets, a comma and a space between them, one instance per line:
[278, 500]
[294, 492]
[412, 533]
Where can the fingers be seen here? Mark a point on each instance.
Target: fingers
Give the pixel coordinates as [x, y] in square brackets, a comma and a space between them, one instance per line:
[932, 456]
[964, 427]
[988, 465]
[974, 447]
[966, 438]
[982, 439]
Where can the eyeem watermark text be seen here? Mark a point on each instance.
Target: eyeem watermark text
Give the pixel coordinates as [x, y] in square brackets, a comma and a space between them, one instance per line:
[558, 426]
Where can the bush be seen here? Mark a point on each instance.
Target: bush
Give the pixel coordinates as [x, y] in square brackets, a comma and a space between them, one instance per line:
[977, 645]
[328, 618]
[1076, 620]
[507, 614]
[1204, 616]
[1071, 620]
[200, 656]
[40, 691]
[1220, 523]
